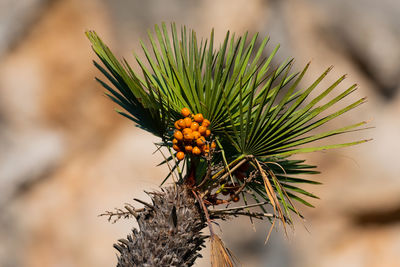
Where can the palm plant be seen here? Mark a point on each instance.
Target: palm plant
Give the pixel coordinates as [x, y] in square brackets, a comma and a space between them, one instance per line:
[258, 115]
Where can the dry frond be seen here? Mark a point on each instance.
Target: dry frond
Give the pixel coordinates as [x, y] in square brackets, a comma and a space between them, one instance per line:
[221, 256]
[272, 197]
[128, 212]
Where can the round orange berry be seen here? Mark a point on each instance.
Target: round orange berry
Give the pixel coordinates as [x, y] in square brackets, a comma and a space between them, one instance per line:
[176, 148]
[194, 126]
[205, 150]
[213, 144]
[208, 133]
[202, 130]
[176, 124]
[188, 148]
[174, 141]
[206, 123]
[196, 134]
[196, 151]
[188, 122]
[236, 199]
[186, 131]
[178, 135]
[219, 201]
[198, 118]
[188, 137]
[181, 123]
[185, 112]
[180, 155]
[201, 141]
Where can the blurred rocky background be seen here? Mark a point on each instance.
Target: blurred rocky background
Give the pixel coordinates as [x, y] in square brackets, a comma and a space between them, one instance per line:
[65, 156]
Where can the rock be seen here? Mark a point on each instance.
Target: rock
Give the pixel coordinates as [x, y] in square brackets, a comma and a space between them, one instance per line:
[15, 20]
[26, 159]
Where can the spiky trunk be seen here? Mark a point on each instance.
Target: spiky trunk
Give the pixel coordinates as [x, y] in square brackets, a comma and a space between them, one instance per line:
[169, 231]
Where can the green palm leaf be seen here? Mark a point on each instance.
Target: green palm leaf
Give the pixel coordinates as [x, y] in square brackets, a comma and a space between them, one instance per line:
[144, 106]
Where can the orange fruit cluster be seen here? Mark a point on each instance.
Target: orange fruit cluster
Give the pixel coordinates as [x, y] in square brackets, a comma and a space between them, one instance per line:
[190, 135]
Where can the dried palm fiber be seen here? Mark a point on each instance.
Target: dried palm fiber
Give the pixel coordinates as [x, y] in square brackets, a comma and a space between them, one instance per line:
[169, 231]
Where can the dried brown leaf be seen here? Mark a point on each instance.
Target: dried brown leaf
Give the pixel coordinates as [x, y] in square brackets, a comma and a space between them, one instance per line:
[221, 256]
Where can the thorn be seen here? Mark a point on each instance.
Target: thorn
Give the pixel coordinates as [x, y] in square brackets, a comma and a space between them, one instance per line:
[123, 241]
[118, 247]
[144, 203]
